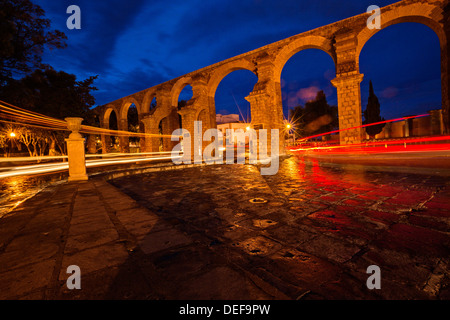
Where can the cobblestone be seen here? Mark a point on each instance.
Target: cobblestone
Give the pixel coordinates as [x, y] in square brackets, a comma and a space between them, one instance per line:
[196, 234]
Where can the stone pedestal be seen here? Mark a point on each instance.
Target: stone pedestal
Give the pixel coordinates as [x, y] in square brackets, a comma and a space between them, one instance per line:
[75, 151]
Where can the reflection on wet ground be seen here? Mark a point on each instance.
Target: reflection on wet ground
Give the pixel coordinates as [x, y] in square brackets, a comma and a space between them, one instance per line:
[226, 232]
[313, 227]
[15, 190]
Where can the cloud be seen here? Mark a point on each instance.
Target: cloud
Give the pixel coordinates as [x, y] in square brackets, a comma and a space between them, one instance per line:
[389, 92]
[308, 94]
[102, 23]
[137, 44]
[117, 85]
[318, 123]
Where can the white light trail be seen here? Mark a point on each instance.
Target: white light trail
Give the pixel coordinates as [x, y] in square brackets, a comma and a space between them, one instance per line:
[55, 167]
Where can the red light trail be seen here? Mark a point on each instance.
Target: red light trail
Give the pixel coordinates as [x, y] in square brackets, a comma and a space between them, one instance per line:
[420, 144]
[365, 125]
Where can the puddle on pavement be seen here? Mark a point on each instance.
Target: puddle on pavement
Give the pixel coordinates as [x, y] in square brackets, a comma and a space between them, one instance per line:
[258, 246]
[264, 223]
[16, 190]
[258, 200]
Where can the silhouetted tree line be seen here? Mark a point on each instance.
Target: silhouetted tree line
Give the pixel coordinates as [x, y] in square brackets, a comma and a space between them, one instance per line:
[315, 117]
[318, 117]
[372, 114]
[27, 83]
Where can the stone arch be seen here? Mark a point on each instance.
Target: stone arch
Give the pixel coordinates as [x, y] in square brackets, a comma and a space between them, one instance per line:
[217, 75]
[347, 37]
[106, 115]
[166, 123]
[221, 72]
[177, 88]
[426, 14]
[126, 105]
[160, 114]
[105, 123]
[303, 43]
[202, 115]
[146, 102]
[423, 13]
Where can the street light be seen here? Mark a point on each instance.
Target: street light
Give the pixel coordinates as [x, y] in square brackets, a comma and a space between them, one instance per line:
[12, 135]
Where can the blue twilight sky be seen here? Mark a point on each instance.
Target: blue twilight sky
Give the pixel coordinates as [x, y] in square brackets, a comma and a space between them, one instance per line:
[136, 44]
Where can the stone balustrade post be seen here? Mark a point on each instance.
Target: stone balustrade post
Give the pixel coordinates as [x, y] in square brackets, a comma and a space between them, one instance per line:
[75, 151]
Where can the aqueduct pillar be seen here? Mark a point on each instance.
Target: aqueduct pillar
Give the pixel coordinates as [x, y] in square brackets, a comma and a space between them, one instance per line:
[105, 139]
[343, 40]
[169, 125]
[445, 70]
[188, 117]
[347, 83]
[265, 102]
[203, 112]
[170, 122]
[124, 141]
[151, 143]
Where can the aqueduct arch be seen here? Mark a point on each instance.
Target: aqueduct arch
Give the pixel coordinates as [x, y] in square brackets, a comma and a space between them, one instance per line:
[104, 123]
[220, 73]
[342, 40]
[309, 42]
[437, 19]
[147, 101]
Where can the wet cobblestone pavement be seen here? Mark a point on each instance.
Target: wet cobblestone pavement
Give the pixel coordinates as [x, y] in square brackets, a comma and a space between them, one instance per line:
[314, 231]
[226, 232]
[15, 190]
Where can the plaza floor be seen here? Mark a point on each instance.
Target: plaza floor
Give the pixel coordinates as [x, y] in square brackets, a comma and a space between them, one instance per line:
[226, 232]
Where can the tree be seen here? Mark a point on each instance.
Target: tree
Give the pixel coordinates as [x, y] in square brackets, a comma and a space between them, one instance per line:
[133, 119]
[133, 123]
[27, 136]
[317, 107]
[182, 104]
[9, 135]
[297, 119]
[53, 93]
[372, 114]
[24, 34]
[3, 142]
[317, 116]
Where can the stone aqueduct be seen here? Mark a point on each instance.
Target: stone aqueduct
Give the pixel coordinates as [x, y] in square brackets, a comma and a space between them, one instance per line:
[342, 40]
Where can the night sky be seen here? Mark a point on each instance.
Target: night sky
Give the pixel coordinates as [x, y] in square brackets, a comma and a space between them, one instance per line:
[133, 45]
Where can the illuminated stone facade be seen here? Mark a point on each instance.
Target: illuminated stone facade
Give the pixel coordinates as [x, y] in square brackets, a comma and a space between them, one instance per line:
[342, 40]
